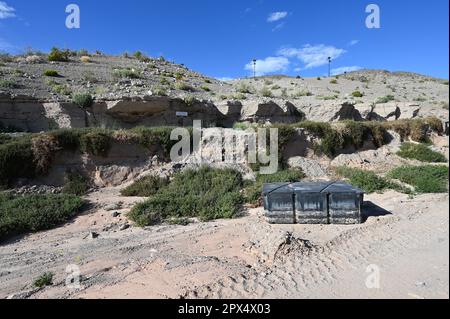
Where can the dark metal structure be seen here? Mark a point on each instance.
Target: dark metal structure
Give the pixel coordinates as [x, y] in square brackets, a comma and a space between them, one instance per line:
[313, 203]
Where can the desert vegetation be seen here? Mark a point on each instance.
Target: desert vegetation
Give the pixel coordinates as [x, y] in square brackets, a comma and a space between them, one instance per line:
[21, 214]
[420, 152]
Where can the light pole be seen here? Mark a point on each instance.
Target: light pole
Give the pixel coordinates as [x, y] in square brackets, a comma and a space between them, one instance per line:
[254, 68]
[329, 66]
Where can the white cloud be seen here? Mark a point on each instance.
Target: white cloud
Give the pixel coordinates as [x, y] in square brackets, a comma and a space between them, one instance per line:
[279, 26]
[269, 65]
[353, 42]
[6, 11]
[312, 56]
[224, 79]
[344, 69]
[276, 16]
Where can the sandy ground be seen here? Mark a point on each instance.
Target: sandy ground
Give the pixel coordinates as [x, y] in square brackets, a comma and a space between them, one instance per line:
[401, 251]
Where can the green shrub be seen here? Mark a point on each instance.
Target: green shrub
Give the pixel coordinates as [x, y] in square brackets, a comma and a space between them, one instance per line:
[141, 56]
[57, 55]
[333, 81]
[351, 134]
[83, 100]
[75, 184]
[357, 94]
[205, 193]
[145, 187]
[420, 152]
[253, 190]
[16, 160]
[96, 142]
[206, 88]
[368, 181]
[149, 137]
[31, 213]
[51, 73]
[385, 99]
[425, 179]
[44, 280]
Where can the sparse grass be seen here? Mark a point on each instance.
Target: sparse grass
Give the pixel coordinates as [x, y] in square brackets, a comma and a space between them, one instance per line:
[31, 213]
[205, 88]
[333, 81]
[145, 187]
[62, 89]
[46, 279]
[266, 92]
[253, 190]
[179, 76]
[182, 86]
[425, 179]
[8, 84]
[328, 97]
[51, 73]
[244, 88]
[302, 93]
[205, 193]
[420, 152]
[189, 100]
[126, 74]
[238, 97]
[368, 181]
[159, 91]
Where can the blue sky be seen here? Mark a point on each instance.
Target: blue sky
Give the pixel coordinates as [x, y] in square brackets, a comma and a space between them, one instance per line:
[219, 38]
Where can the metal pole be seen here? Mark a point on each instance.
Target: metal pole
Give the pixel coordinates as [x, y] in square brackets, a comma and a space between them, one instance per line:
[254, 68]
[329, 66]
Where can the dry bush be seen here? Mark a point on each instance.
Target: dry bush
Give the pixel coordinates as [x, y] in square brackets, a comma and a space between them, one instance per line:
[44, 148]
[85, 59]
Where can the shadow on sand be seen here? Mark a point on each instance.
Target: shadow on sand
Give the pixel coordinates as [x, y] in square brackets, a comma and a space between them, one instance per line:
[370, 209]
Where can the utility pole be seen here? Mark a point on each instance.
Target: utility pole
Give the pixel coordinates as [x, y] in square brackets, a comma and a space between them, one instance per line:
[254, 68]
[329, 66]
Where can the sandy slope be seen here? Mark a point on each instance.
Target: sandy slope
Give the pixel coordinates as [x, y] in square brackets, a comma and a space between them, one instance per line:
[245, 257]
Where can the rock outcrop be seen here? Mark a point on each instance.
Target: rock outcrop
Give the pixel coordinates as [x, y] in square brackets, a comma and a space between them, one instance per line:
[271, 112]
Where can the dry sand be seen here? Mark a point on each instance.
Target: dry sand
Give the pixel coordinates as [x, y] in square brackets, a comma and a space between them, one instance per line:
[406, 238]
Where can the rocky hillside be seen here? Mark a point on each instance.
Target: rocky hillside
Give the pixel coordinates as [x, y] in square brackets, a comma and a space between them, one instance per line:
[37, 94]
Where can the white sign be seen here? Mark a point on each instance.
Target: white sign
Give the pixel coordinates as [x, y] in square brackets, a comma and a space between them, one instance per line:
[182, 114]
